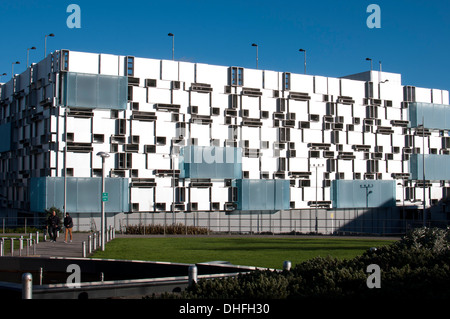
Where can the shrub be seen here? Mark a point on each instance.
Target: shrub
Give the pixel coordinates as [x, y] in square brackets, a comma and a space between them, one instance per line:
[173, 229]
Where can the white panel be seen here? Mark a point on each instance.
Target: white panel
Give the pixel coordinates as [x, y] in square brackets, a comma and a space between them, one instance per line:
[220, 132]
[298, 165]
[147, 69]
[253, 78]
[251, 104]
[354, 89]
[187, 72]
[144, 197]
[220, 100]
[268, 164]
[200, 100]
[252, 135]
[140, 94]
[169, 70]
[217, 76]
[393, 113]
[271, 80]
[302, 83]
[109, 64]
[158, 95]
[391, 91]
[320, 85]
[300, 108]
[81, 129]
[333, 86]
[83, 62]
[445, 97]
[145, 131]
[252, 166]
[201, 132]
[437, 96]
[423, 95]
[354, 138]
[219, 194]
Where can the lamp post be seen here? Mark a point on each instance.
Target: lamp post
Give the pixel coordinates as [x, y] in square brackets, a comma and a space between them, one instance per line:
[304, 51]
[45, 43]
[371, 63]
[317, 166]
[103, 155]
[367, 186]
[255, 45]
[28, 55]
[12, 69]
[173, 45]
[423, 168]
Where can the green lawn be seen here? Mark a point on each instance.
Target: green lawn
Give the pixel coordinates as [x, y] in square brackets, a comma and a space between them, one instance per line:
[249, 251]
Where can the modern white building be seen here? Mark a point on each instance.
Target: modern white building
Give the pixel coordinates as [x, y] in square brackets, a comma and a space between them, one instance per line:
[201, 144]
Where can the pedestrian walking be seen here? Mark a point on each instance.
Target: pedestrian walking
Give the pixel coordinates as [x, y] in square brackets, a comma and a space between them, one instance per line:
[68, 225]
[53, 223]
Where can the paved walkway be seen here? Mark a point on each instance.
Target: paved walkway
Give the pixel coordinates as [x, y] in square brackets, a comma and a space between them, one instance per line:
[53, 249]
[62, 249]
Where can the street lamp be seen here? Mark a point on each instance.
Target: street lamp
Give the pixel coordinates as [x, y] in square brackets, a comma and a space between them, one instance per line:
[28, 55]
[255, 45]
[173, 45]
[45, 44]
[103, 155]
[304, 51]
[371, 63]
[423, 166]
[367, 186]
[317, 166]
[12, 69]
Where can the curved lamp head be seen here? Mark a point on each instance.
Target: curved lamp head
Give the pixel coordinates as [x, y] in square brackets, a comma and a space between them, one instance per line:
[103, 154]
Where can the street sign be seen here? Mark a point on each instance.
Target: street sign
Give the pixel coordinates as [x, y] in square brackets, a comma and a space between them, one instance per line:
[104, 197]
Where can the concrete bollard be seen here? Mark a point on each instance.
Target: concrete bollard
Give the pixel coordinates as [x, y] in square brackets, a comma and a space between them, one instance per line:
[41, 275]
[37, 237]
[90, 244]
[27, 286]
[83, 249]
[20, 245]
[95, 242]
[34, 247]
[12, 246]
[287, 265]
[2, 245]
[192, 275]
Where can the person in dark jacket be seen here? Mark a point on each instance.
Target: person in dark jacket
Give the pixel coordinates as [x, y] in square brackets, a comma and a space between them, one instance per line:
[53, 223]
[68, 225]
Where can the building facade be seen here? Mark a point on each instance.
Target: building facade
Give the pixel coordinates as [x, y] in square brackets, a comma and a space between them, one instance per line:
[218, 141]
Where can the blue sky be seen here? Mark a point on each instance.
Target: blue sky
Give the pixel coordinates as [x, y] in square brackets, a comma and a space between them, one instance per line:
[413, 39]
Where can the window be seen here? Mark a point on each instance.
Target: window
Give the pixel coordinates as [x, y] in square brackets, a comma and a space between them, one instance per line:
[65, 60]
[124, 160]
[180, 194]
[369, 90]
[286, 81]
[122, 126]
[130, 66]
[99, 138]
[237, 76]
